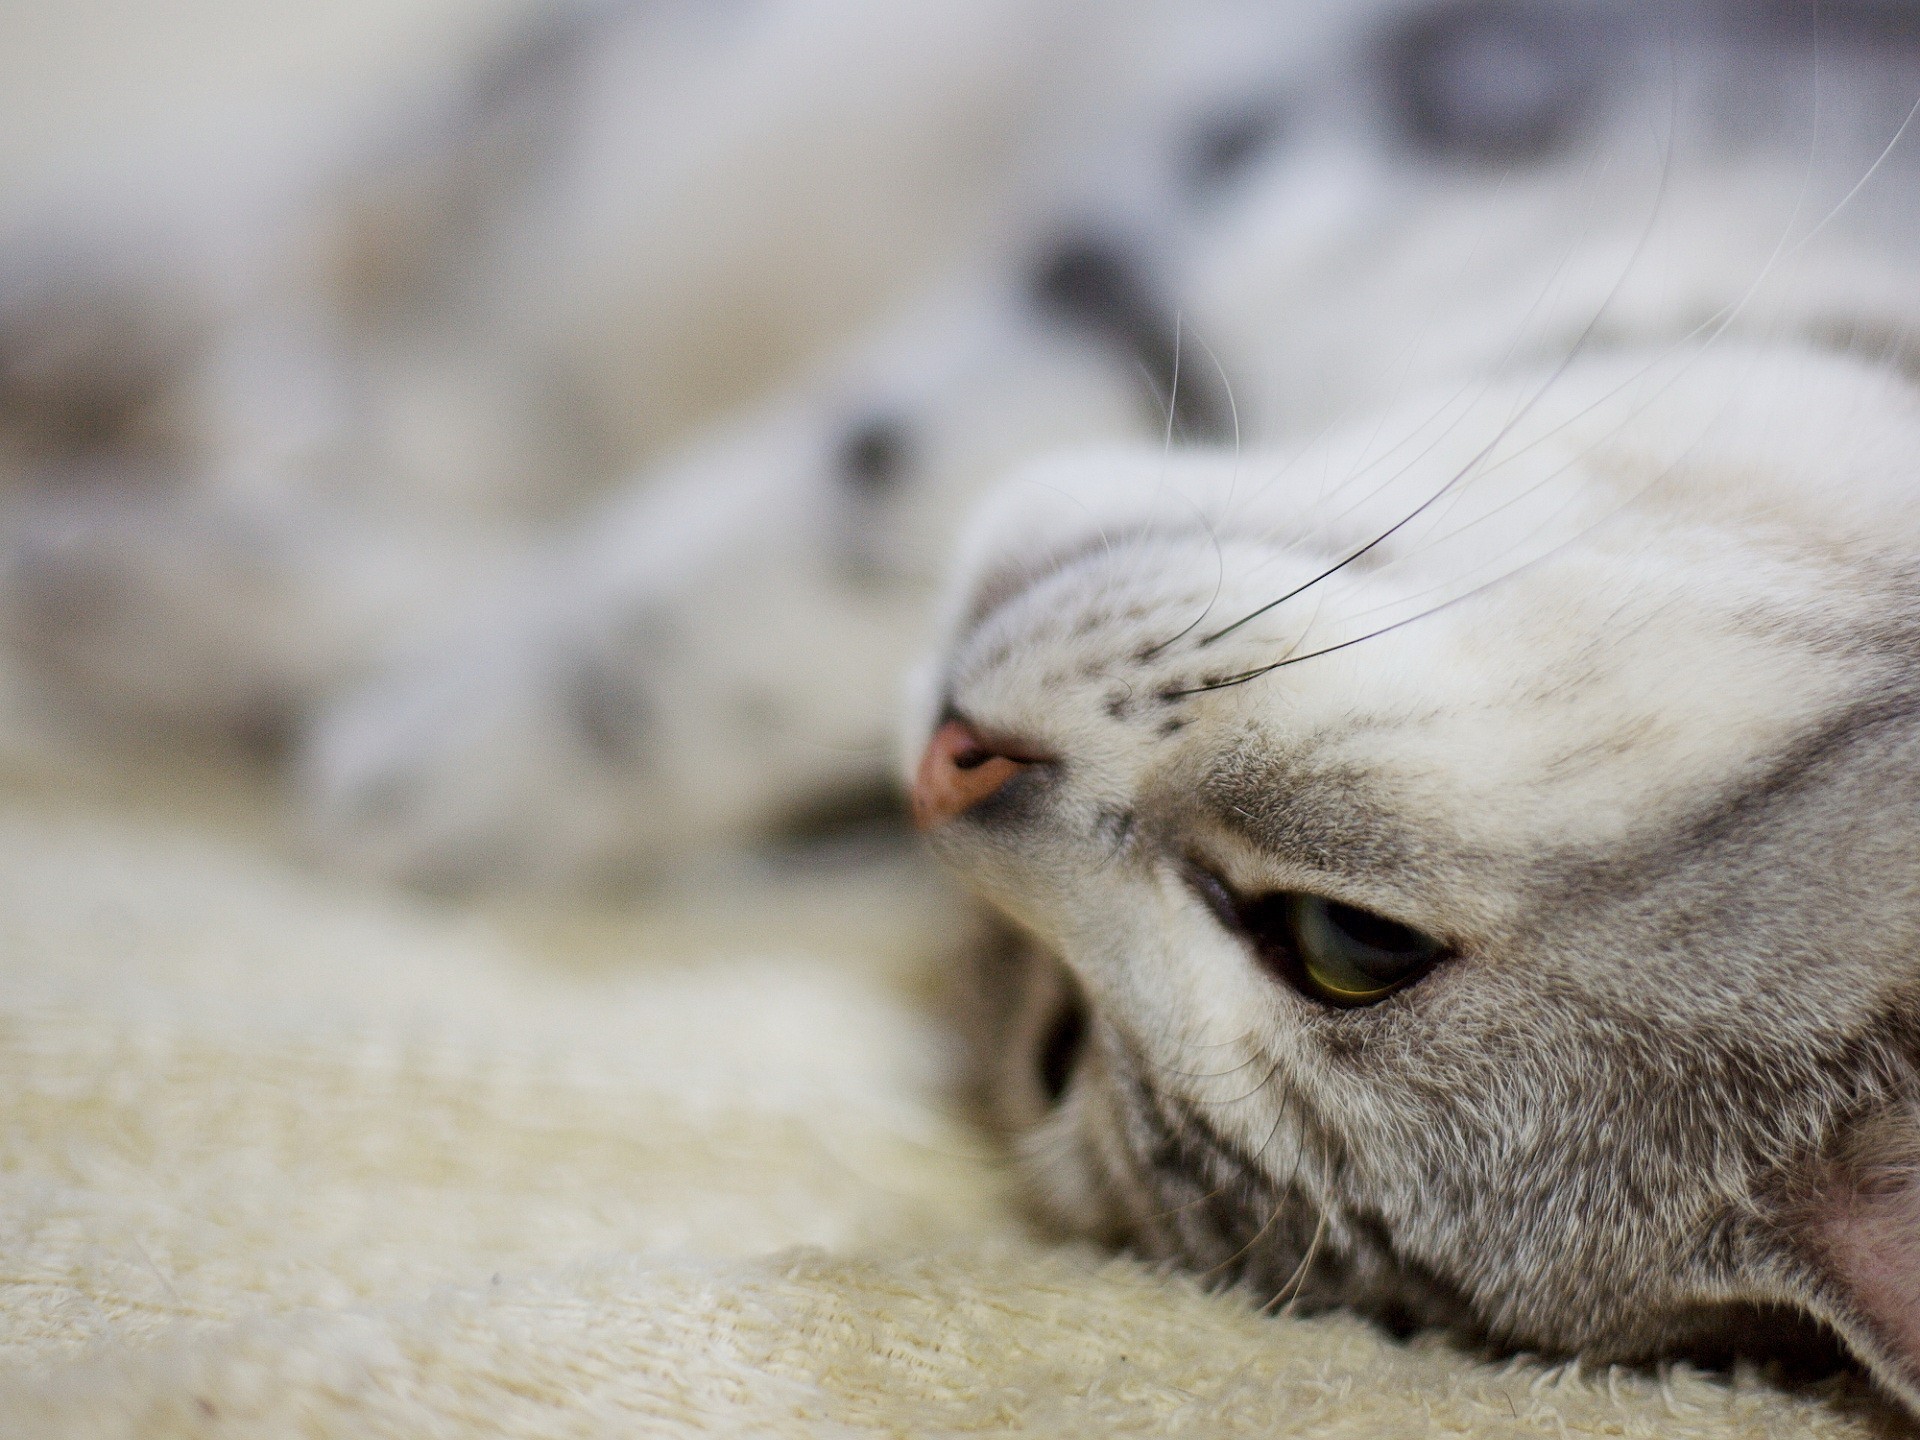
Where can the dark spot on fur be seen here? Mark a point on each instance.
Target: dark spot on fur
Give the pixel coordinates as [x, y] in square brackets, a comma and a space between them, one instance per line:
[1227, 142]
[1116, 825]
[1491, 80]
[266, 730]
[1062, 1045]
[874, 456]
[1093, 281]
[90, 355]
[1174, 726]
[1118, 705]
[1097, 284]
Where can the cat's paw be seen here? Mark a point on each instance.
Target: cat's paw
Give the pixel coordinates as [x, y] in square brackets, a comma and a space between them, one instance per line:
[557, 741]
[501, 758]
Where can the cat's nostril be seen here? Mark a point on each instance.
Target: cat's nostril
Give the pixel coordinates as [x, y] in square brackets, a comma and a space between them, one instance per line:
[959, 770]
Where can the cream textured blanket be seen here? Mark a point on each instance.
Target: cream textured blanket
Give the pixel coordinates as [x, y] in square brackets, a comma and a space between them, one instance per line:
[283, 1156]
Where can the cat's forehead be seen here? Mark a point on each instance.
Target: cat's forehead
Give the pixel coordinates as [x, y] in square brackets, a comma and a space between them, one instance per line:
[1622, 608]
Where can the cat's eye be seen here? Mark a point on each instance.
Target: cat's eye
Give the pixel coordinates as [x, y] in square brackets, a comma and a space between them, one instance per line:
[1354, 957]
[1337, 954]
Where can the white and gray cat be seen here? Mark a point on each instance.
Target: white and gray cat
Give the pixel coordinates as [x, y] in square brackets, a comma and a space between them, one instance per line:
[1469, 856]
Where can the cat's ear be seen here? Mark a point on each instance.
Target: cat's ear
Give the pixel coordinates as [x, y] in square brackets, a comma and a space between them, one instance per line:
[1856, 1231]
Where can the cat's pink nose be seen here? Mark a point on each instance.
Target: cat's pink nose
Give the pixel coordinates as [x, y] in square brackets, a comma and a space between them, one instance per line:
[959, 770]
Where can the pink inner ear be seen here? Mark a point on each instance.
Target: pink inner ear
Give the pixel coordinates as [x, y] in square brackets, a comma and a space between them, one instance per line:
[1872, 1238]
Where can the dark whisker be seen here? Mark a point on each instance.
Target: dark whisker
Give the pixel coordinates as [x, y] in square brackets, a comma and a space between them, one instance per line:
[1465, 471]
[1291, 659]
[1249, 675]
[1573, 353]
[1220, 573]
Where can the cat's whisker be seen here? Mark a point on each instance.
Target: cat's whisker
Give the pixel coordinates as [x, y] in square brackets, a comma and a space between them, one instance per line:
[1265, 1081]
[1273, 1213]
[1478, 384]
[1220, 575]
[1173, 389]
[1711, 328]
[1288, 1294]
[1165, 1069]
[1472, 465]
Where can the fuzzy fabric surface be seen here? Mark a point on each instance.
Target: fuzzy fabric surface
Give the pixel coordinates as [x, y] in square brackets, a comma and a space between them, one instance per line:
[285, 1156]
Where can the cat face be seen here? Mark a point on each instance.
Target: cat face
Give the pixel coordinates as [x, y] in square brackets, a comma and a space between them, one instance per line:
[1477, 850]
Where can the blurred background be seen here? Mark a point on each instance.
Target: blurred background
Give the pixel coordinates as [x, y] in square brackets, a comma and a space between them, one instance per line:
[90, 85]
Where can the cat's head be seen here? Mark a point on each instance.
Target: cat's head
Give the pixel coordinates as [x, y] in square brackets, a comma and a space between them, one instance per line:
[1479, 851]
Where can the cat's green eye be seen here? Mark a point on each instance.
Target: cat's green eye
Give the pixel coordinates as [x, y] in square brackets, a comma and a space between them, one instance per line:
[1336, 954]
[1354, 957]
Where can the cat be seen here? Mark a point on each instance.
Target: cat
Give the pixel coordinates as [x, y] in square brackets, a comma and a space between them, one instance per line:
[672, 675]
[1465, 852]
[1469, 859]
[1452, 769]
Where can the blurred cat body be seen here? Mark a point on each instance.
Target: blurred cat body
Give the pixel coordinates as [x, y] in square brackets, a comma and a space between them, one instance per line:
[674, 675]
[260, 417]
